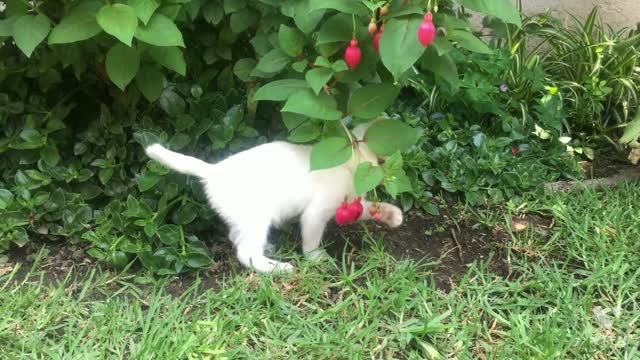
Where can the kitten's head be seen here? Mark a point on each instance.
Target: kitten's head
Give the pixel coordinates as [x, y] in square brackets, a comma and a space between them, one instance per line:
[366, 153]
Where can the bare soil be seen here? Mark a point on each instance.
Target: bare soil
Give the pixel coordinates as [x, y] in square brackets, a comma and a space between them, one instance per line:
[447, 245]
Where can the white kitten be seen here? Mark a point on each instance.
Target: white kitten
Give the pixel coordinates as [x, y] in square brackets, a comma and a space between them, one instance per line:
[270, 184]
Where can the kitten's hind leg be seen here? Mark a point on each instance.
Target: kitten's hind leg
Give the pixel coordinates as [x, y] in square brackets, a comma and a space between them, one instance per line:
[250, 243]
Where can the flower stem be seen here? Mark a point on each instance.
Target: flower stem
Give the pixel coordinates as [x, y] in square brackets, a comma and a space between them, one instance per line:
[353, 19]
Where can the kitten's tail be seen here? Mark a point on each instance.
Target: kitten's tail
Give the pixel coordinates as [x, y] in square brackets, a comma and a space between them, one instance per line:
[181, 163]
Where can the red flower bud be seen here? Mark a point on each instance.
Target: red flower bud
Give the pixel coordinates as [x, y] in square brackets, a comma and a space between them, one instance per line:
[376, 41]
[427, 31]
[353, 55]
[343, 215]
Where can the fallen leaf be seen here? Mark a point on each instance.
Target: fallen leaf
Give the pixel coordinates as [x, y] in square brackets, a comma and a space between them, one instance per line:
[634, 156]
[518, 225]
[5, 270]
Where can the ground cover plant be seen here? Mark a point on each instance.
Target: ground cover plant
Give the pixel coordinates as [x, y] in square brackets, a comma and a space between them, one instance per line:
[569, 290]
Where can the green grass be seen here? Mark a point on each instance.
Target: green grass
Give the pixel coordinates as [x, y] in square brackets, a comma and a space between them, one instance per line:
[572, 294]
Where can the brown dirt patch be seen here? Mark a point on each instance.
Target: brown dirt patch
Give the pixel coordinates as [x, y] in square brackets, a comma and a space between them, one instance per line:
[444, 243]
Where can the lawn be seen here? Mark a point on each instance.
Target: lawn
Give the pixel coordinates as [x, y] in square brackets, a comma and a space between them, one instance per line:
[569, 291]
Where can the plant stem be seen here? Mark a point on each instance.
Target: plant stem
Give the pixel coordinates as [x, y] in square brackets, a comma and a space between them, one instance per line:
[353, 20]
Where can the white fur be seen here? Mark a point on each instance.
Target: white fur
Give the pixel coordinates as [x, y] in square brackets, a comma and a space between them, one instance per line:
[270, 184]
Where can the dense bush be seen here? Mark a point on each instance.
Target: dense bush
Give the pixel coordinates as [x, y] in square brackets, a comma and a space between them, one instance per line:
[86, 84]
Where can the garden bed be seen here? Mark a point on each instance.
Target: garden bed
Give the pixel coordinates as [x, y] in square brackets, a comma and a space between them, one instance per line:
[448, 244]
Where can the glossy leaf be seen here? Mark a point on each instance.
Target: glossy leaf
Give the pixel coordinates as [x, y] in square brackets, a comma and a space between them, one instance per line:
[330, 152]
[399, 45]
[118, 20]
[77, 26]
[389, 136]
[122, 65]
[280, 90]
[150, 81]
[370, 100]
[160, 31]
[367, 177]
[29, 31]
[144, 9]
[307, 103]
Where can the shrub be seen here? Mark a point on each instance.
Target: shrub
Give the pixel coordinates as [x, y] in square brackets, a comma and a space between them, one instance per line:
[596, 69]
[73, 165]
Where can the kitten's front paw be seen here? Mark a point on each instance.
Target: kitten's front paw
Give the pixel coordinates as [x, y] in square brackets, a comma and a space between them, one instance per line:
[317, 255]
[391, 215]
[282, 267]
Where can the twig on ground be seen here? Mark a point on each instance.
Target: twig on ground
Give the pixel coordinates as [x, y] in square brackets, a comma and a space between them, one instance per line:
[612, 181]
[455, 238]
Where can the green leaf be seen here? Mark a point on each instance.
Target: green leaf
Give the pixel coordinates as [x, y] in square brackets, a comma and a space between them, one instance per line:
[389, 136]
[118, 20]
[186, 214]
[291, 40]
[122, 65]
[179, 141]
[370, 100]
[150, 228]
[318, 77]
[160, 31]
[169, 57]
[469, 41]
[367, 177]
[273, 61]
[144, 9]
[243, 68]
[169, 234]
[15, 7]
[502, 9]
[77, 26]
[344, 6]
[150, 81]
[632, 130]
[330, 152]
[301, 128]
[231, 6]
[29, 31]
[146, 182]
[299, 66]
[306, 20]
[172, 103]
[197, 260]
[280, 90]
[6, 198]
[307, 103]
[399, 45]
[6, 26]
[337, 28]
[50, 155]
[104, 175]
[213, 12]
[30, 135]
[442, 66]
[395, 179]
[242, 20]
[305, 133]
